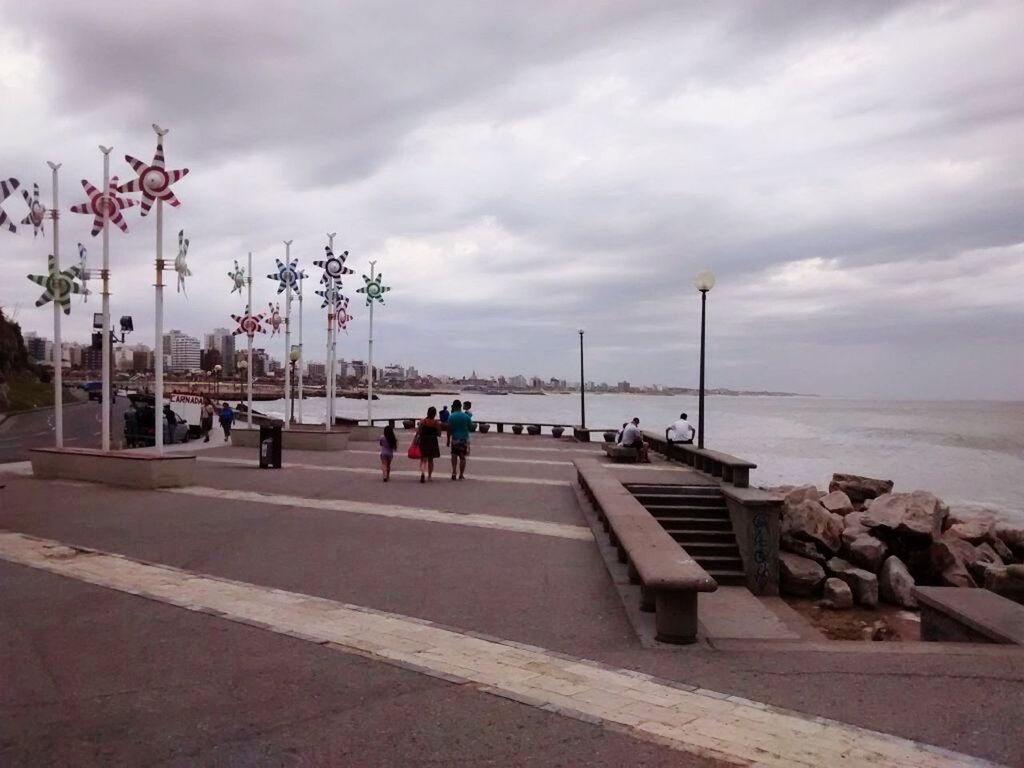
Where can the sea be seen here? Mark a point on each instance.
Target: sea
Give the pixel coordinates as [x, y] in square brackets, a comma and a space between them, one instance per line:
[970, 454]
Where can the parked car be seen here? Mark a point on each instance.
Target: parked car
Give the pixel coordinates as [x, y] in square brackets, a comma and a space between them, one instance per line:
[139, 424]
[94, 389]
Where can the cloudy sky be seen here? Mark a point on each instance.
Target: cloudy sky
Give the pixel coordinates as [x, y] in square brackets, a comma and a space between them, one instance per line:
[853, 173]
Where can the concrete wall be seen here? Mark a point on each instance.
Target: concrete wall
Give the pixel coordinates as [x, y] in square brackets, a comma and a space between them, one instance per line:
[114, 468]
[296, 439]
[756, 521]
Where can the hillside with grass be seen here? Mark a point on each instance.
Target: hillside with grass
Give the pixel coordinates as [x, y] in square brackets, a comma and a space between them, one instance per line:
[22, 384]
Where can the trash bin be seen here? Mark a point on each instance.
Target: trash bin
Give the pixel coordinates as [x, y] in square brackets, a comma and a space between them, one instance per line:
[270, 445]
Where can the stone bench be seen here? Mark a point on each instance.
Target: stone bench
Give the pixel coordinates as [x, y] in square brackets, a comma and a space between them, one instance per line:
[134, 469]
[960, 615]
[620, 453]
[581, 434]
[730, 469]
[669, 578]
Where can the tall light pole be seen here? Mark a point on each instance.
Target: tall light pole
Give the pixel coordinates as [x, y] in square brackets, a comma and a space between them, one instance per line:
[293, 357]
[583, 387]
[704, 282]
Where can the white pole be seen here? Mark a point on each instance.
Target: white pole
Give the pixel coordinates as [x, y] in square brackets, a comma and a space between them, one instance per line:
[302, 352]
[105, 276]
[287, 339]
[369, 367]
[248, 415]
[158, 359]
[58, 351]
[329, 360]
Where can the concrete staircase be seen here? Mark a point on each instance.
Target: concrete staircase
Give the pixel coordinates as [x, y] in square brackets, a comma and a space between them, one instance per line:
[697, 517]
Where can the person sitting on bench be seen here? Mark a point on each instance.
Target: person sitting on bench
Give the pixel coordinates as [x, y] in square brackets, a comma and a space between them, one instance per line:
[633, 438]
[680, 431]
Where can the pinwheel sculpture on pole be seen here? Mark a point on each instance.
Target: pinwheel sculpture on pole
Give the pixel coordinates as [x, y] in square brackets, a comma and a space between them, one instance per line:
[237, 276]
[57, 285]
[7, 188]
[275, 318]
[180, 263]
[105, 206]
[154, 183]
[83, 272]
[288, 275]
[334, 271]
[374, 292]
[36, 210]
[249, 325]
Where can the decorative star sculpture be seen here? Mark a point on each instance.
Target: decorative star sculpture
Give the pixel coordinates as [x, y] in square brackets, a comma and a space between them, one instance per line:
[330, 293]
[342, 317]
[7, 188]
[333, 266]
[287, 275]
[100, 206]
[154, 181]
[275, 319]
[83, 273]
[36, 210]
[373, 289]
[180, 266]
[237, 278]
[57, 286]
[248, 324]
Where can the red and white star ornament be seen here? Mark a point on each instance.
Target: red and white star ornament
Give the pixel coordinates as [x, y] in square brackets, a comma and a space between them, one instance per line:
[104, 206]
[36, 210]
[248, 324]
[154, 181]
[342, 317]
[7, 188]
[276, 321]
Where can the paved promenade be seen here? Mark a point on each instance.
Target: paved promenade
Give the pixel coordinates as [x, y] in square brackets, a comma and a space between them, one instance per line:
[316, 616]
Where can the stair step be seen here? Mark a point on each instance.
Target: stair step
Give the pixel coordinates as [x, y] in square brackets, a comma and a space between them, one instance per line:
[695, 490]
[724, 548]
[689, 535]
[682, 501]
[679, 511]
[716, 562]
[696, 524]
[729, 578]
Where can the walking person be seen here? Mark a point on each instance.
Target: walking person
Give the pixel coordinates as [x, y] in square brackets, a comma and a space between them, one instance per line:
[388, 446]
[227, 418]
[458, 427]
[467, 409]
[206, 419]
[443, 418]
[427, 434]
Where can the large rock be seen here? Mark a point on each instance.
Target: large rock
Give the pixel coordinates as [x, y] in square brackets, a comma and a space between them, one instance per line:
[863, 584]
[866, 551]
[1007, 581]
[975, 527]
[837, 595]
[801, 493]
[837, 502]
[1013, 537]
[799, 576]
[951, 560]
[917, 516]
[802, 548]
[987, 558]
[809, 521]
[895, 584]
[1004, 552]
[859, 489]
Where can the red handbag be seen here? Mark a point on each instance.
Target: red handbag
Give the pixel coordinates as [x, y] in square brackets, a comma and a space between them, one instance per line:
[414, 450]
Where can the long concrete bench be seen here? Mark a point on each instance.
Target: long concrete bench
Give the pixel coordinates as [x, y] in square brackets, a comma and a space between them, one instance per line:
[620, 453]
[134, 469]
[670, 579]
[715, 463]
[958, 615]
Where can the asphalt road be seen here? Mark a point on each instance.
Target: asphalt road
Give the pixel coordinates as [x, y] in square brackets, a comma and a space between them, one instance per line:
[35, 429]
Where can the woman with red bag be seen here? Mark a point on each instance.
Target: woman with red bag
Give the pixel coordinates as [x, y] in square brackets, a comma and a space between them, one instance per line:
[427, 433]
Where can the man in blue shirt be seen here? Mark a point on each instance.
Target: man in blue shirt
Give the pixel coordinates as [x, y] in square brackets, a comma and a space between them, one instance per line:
[458, 427]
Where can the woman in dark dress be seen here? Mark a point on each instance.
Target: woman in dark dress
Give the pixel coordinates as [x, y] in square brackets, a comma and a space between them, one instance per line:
[427, 433]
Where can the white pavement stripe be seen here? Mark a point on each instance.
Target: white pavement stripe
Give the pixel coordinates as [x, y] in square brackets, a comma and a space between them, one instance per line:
[440, 472]
[23, 468]
[474, 458]
[703, 722]
[494, 522]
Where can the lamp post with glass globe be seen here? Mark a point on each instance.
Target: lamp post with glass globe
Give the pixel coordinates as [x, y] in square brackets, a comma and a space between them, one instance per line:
[704, 282]
[293, 357]
[216, 372]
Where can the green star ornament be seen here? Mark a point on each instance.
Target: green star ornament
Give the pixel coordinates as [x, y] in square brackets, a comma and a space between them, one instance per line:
[373, 289]
[58, 286]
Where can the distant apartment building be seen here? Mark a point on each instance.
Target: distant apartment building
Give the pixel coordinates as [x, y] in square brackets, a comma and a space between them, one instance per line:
[36, 347]
[183, 350]
[316, 371]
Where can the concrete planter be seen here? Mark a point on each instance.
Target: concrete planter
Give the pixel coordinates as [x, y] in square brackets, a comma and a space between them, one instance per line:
[609, 437]
[485, 427]
[133, 469]
[472, 426]
[533, 429]
[517, 428]
[304, 439]
[409, 423]
[557, 431]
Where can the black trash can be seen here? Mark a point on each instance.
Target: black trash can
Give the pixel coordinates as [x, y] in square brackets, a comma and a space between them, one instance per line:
[270, 445]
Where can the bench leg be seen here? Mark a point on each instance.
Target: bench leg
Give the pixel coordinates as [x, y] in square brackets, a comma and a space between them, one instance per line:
[646, 600]
[633, 573]
[675, 617]
[622, 556]
[741, 477]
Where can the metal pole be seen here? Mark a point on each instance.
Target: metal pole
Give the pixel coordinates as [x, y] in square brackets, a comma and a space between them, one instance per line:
[583, 387]
[301, 351]
[369, 367]
[158, 362]
[58, 351]
[287, 336]
[700, 407]
[105, 276]
[329, 359]
[248, 415]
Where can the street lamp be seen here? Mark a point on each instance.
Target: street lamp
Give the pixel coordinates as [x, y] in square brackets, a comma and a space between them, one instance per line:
[293, 358]
[216, 371]
[583, 404]
[704, 282]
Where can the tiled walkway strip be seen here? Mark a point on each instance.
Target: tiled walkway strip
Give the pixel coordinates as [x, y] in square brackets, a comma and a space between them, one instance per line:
[695, 720]
[494, 522]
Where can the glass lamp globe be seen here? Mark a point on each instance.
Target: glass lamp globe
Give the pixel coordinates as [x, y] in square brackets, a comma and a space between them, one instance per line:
[294, 355]
[704, 281]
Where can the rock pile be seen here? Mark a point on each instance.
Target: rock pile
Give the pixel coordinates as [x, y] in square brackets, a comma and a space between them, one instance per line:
[861, 539]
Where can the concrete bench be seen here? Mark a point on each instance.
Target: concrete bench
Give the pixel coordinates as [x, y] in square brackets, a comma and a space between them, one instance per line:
[959, 615]
[134, 469]
[621, 453]
[670, 579]
[581, 434]
[715, 463]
